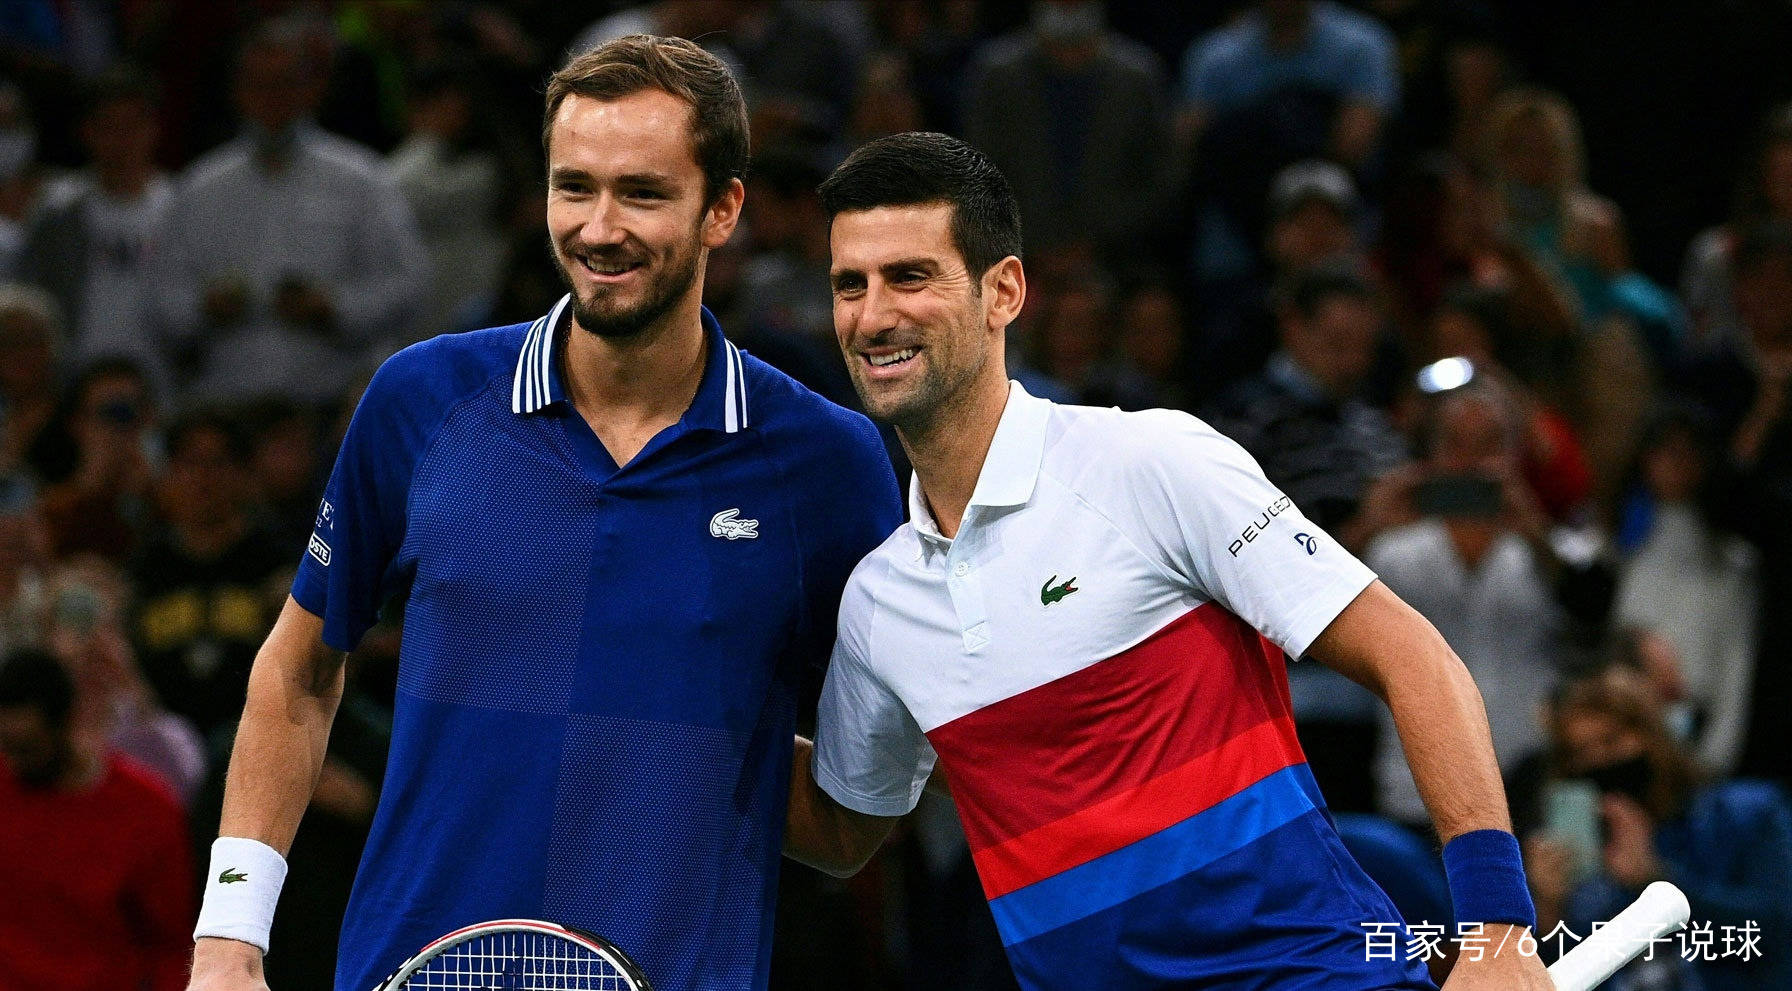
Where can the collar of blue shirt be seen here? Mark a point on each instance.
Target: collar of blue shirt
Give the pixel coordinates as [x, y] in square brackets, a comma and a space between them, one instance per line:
[720, 403]
[1010, 469]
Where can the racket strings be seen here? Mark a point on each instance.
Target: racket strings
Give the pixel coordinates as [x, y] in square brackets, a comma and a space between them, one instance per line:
[519, 961]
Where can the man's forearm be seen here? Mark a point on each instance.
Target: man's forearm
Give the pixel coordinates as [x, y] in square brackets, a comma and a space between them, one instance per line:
[1443, 729]
[1385, 645]
[294, 689]
[822, 833]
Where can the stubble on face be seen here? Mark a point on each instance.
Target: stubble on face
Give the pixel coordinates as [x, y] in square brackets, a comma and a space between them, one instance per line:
[603, 311]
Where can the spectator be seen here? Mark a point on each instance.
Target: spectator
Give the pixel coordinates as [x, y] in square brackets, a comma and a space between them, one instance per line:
[1075, 331]
[1727, 844]
[93, 850]
[1539, 163]
[785, 315]
[207, 574]
[30, 343]
[1314, 215]
[1144, 371]
[1289, 80]
[89, 599]
[1478, 565]
[287, 252]
[102, 506]
[1303, 418]
[24, 567]
[21, 180]
[286, 467]
[1075, 116]
[1745, 387]
[1690, 577]
[1443, 229]
[1476, 324]
[1763, 194]
[461, 176]
[89, 245]
[1316, 440]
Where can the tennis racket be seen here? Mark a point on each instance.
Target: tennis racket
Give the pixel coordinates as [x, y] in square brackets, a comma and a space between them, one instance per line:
[1662, 909]
[519, 955]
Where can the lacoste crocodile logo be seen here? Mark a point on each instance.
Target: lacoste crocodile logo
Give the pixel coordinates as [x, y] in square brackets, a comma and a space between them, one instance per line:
[725, 525]
[1049, 595]
[231, 875]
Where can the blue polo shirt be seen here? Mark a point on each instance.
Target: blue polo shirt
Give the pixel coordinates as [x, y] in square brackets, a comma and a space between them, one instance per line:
[597, 689]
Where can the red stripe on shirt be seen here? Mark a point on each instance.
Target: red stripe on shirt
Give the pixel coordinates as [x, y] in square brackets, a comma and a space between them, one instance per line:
[1133, 815]
[1107, 729]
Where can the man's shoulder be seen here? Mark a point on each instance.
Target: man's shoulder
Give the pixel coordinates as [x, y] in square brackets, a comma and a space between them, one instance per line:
[1114, 444]
[227, 162]
[1338, 25]
[870, 578]
[777, 403]
[436, 374]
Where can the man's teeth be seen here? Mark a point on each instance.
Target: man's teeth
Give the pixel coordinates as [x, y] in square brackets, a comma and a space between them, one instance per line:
[612, 269]
[880, 360]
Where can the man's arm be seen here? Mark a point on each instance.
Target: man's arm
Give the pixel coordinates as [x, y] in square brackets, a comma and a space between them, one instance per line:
[821, 832]
[1383, 644]
[294, 689]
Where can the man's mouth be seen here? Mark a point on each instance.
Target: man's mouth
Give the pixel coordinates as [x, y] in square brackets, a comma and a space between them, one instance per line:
[608, 269]
[891, 358]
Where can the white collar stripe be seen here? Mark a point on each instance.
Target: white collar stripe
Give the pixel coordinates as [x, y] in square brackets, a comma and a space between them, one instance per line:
[519, 400]
[533, 388]
[730, 414]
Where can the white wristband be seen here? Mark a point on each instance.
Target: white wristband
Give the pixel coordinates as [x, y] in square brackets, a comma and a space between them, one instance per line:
[241, 888]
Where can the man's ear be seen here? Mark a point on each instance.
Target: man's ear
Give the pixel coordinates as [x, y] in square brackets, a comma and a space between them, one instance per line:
[1005, 284]
[723, 214]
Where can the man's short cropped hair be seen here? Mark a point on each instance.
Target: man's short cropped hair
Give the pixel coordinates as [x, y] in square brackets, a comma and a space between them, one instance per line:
[636, 62]
[924, 167]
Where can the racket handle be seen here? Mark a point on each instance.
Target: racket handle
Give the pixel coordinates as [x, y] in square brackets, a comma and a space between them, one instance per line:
[1661, 909]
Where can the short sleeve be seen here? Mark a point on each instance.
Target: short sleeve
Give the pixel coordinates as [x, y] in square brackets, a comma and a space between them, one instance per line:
[346, 572]
[1203, 504]
[870, 755]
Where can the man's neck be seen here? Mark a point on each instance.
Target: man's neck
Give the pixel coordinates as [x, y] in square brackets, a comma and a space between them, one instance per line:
[949, 451]
[638, 385]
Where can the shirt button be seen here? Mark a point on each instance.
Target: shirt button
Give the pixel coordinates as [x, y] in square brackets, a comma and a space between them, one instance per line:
[961, 569]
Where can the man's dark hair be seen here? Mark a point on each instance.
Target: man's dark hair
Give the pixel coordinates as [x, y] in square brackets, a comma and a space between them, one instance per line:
[631, 64]
[923, 167]
[33, 679]
[1306, 290]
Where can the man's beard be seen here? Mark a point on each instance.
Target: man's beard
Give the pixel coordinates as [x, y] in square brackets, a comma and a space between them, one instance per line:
[661, 293]
[935, 398]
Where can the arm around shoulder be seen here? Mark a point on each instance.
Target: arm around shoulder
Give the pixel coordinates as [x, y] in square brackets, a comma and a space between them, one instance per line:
[821, 832]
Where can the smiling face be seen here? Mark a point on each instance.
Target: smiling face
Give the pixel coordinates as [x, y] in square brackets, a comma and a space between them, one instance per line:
[920, 333]
[627, 217]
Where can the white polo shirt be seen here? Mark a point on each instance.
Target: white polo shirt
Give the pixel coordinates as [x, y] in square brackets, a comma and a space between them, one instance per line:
[1085, 659]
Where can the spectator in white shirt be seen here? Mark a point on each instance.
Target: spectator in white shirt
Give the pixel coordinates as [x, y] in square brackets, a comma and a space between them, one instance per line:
[288, 253]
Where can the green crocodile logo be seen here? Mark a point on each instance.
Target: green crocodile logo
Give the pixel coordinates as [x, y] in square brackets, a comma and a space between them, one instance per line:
[1049, 595]
[231, 875]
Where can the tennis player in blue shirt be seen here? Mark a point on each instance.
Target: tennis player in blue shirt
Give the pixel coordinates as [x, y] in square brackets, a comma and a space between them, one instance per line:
[621, 539]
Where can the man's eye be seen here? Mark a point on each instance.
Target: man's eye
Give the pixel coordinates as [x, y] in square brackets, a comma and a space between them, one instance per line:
[648, 194]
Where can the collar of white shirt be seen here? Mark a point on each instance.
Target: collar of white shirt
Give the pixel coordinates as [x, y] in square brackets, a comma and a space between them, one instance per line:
[1010, 469]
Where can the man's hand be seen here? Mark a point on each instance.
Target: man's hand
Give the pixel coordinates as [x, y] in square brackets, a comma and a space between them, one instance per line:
[226, 965]
[1502, 958]
[1630, 852]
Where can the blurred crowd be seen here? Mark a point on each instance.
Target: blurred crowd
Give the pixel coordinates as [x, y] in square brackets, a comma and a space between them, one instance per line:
[1370, 241]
